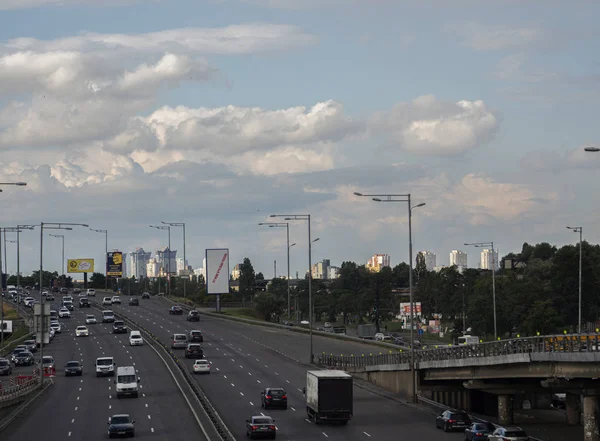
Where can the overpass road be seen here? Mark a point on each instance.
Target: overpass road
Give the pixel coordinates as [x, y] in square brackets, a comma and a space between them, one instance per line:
[245, 359]
[79, 407]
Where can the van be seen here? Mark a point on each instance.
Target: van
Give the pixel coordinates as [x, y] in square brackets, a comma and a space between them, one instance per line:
[179, 341]
[105, 366]
[127, 382]
[108, 316]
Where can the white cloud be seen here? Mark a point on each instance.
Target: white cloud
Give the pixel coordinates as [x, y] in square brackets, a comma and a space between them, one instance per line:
[486, 37]
[427, 126]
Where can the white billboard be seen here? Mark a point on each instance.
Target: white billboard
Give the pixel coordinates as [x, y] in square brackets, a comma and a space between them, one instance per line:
[217, 271]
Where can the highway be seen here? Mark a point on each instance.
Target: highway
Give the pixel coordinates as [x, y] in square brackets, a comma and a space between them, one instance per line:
[79, 407]
[246, 358]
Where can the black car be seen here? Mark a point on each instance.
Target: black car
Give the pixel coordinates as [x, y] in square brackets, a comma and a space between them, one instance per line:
[145, 295]
[134, 302]
[5, 368]
[449, 420]
[84, 303]
[261, 426]
[119, 327]
[24, 358]
[193, 316]
[73, 368]
[176, 310]
[121, 425]
[273, 397]
[479, 431]
[196, 336]
[194, 350]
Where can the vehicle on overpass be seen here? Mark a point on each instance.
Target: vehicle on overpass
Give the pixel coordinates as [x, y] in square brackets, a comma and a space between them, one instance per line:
[121, 425]
[127, 382]
[329, 396]
[262, 426]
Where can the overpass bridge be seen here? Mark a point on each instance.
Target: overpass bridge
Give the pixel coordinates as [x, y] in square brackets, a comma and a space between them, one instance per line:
[492, 375]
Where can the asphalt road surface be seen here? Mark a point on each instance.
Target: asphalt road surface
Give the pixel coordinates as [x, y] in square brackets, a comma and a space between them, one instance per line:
[245, 359]
[79, 407]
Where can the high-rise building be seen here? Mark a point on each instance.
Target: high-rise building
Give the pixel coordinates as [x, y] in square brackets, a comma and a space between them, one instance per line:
[377, 262]
[458, 258]
[136, 263]
[429, 258]
[236, 272]
[167, 260]
[489, 261]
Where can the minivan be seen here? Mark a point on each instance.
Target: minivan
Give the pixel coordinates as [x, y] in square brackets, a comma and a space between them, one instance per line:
[179, 341]
[127, 382]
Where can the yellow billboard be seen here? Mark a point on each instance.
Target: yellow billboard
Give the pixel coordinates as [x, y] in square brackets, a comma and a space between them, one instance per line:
[80, 265]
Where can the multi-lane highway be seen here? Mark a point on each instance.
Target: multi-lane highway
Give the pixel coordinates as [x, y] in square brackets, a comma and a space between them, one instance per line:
[245, 359]
[79, 407]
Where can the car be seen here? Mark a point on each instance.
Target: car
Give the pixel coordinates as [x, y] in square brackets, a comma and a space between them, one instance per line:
[106, 301]
[68, 304]
[273, 397]
[82, 331]
[121, 425]
[134, 302]
[179, 341]
[510, 433]
[135, 338]
[261, 426]
[119, 327]
[116, 300]
[49, 298]
[64, 313]
[479, 431]
[30, 345]
[176, 310]
[84, 302]
[194, 350]
[73, 368]
[56, 326]
[196, 336]
[24, 358]
[90, 320]
[5, 367]
[452, 420]
[201, 367]
[193, 316]
[145, 295]
[91, 292]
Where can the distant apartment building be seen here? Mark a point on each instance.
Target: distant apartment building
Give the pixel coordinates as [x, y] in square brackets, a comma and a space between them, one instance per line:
[236, 272]
[320, 270]
[377, 262]
[137, 262]
[489, 260]
[152, 268]
[458, 258]
[333, 272]
[429, 258]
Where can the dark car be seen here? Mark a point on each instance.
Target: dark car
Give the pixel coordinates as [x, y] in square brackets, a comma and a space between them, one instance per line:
[193, 316]
[273, 397]
[134, 302]
[196, 336]
[175, 310]
[261, 427]
[5, 368]
[479, 431]
[145, 295]
[119, 327]
[450, 420]
[194, 350]
[24, 358]
[73, 368]
[84, 303]
[121, 425]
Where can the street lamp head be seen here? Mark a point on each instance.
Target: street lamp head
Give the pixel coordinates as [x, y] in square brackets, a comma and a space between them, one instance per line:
[592, 149]
[377, 199]
[357, 193]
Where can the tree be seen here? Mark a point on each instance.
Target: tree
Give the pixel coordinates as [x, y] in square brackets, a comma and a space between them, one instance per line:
[247, 279]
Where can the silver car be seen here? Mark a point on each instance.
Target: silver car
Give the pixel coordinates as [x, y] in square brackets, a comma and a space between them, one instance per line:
[510, 433]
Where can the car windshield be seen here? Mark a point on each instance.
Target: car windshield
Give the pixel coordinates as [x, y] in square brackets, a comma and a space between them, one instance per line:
[515, 434]
[104, 362]
[262, 421]
[277, 392]
[120, 420]
[126, 379]
[73, 364]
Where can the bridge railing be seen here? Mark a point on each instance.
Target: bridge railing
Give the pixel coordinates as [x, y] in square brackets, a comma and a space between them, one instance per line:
[571, 343]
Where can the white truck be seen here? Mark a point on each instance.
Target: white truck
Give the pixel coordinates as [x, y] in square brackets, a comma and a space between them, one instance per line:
[329, 396]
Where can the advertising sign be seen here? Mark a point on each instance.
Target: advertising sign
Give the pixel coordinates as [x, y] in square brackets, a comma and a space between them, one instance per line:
[80, 265]
[405, 308]
[217, 271]
[114, 264]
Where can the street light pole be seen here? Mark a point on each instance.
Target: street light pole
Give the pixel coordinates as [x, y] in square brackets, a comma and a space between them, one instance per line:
[580, 231]
[491, 245]
[105, 256]
[405, 198]
[179, 224]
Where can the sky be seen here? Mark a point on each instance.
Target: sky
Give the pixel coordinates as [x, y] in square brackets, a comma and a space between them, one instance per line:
[217, 113]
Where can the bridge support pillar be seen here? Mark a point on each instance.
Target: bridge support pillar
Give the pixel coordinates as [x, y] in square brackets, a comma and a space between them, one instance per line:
[591, 410]
[573, 409]
[506, 411]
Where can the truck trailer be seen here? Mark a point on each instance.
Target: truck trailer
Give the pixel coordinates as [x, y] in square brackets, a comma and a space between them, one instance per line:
[329, 396]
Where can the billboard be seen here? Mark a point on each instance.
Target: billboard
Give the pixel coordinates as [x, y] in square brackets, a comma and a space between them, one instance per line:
[405, 308]
[114, 264]
[217, 271]
[80, 265]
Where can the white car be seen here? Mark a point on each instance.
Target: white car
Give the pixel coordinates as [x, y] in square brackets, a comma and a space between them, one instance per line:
[81, 331]
[90, 320]
[64, 313]
[135, 338]
[116, 300]
[106, 301]
[56, 326]
[201, 367]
